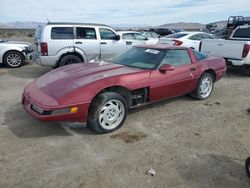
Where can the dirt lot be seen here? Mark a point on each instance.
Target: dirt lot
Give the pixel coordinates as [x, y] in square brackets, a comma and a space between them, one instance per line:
[189, 143]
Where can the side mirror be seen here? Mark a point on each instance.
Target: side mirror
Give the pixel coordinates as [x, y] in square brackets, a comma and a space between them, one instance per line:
[117, 37]
[146, 38]
[166, 68]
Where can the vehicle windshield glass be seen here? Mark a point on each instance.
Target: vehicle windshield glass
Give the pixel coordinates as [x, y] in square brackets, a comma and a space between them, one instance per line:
[143, 58]
[176, 35]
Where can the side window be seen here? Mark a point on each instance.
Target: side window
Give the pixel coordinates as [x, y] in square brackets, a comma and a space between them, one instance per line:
[155, 35]
[242, 33]
[147, 34]
[199, 56]
[128, 36]
[85, 33]
[139, 36]
[62, 33]
[107, 34]
[196, 37]
[204, 36]
[177, 58]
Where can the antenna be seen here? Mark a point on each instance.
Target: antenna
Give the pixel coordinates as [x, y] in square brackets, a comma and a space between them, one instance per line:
[46, 18]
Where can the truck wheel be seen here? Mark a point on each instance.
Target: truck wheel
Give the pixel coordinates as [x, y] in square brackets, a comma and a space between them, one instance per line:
[108, 112]
[13, 59]
[205, 87]
[247, 166]
[69, 59]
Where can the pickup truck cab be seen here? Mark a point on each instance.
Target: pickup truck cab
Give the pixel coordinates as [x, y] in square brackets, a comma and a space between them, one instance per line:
[60, 44]
[14, 53]
[235, 50]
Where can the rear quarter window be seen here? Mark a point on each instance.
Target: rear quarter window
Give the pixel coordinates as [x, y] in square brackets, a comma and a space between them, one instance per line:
[242, 33]
[199, 56]
[62, 33]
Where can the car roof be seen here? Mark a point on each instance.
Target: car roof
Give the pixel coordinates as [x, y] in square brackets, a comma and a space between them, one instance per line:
[122, 32]
[75, 23]
[192, 32]
[162, 47]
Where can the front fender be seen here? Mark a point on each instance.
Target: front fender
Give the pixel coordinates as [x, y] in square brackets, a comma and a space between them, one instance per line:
[7, 49]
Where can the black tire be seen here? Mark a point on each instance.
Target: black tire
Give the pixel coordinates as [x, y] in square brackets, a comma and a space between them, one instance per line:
[247, 166]
[198, 93]
[13, 59]
[69, 59]
[99, 108]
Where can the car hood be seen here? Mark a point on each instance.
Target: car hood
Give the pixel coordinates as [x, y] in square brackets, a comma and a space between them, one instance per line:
[15, 43]
[61, 81]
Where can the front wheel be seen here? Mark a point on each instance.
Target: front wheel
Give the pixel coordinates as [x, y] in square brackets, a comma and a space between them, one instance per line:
[247, 166]
[205, 87]
[13, 59]
[108, 112]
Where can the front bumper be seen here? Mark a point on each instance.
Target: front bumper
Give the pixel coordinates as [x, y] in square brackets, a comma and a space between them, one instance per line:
[41, 106]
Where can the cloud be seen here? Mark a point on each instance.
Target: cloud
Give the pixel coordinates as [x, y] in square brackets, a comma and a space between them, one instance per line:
[122, 12]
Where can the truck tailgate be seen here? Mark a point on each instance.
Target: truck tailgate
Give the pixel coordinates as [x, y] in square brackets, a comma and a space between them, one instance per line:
[223, 48]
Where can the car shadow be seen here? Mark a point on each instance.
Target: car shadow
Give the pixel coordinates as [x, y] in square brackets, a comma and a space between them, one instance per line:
[238, 71]
[161, 103]
[30, 70]
[216, 171]
[24, 126]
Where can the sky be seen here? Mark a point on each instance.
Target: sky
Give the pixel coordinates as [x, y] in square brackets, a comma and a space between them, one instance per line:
[122, 12]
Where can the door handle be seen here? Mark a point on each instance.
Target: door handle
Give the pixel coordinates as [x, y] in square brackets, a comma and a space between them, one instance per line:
[78, 42]
[192, 69]
[128, 43]
[103, 43]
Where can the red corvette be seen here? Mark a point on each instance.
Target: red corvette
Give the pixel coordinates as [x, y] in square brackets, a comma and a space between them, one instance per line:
[101, 93]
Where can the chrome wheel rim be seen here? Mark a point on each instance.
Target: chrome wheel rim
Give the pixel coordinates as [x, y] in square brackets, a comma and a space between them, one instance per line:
[111, 114]
[14, 60]
[206, 87]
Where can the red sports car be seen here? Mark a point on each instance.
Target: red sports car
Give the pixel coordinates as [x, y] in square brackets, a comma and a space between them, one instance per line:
[101, 93]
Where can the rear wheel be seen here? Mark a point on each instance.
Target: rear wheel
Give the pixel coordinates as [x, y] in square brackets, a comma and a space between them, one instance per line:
[107, 113]
[205, 87]
[13, 59]
[69, 59]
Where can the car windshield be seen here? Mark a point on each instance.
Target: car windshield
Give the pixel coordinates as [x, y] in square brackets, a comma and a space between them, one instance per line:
[143, 58]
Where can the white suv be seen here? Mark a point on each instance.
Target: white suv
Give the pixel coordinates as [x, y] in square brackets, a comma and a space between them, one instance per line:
[61, 44]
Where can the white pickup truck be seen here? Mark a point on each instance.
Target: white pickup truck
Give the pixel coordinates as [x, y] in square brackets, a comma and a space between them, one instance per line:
[235, 50]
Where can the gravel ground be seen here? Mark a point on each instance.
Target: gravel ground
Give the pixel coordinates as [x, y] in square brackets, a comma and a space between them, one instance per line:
[189, 143]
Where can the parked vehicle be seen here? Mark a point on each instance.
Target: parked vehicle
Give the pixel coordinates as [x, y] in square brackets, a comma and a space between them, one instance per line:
[101, 93]
[187, 39]
[14, 53]
[235, 50]
[162, 31]
[235, 21]
[150, 34]
[132, 38]
[61, 44]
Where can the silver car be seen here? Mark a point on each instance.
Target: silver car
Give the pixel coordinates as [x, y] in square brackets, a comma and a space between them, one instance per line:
[14, 53]
[60, 44]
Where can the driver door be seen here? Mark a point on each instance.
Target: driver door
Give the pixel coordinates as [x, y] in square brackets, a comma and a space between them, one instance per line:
[174, 83]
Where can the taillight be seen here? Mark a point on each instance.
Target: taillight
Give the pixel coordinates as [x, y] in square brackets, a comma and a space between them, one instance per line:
[245, 50]
[44, 48]
[200, 46]
[177, 42]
